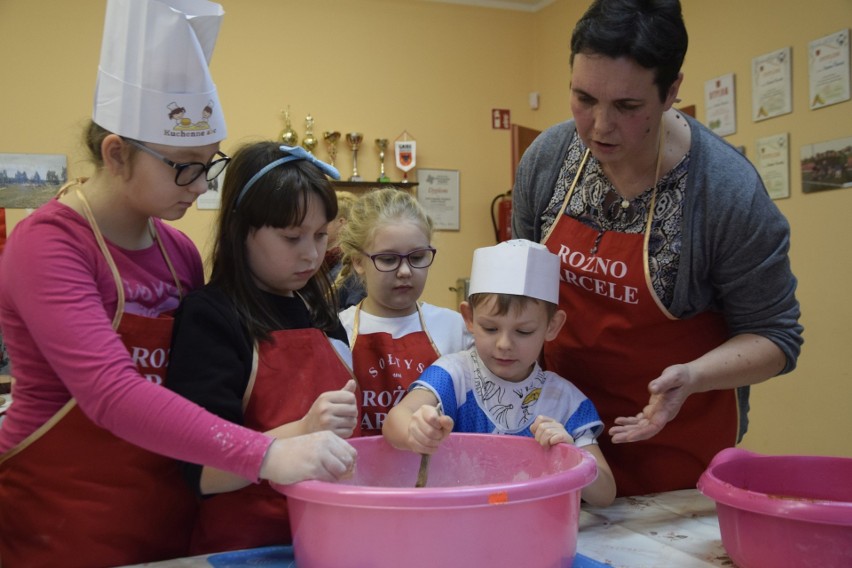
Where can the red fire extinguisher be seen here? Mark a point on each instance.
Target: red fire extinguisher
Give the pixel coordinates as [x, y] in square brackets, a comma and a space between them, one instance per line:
[501, 216]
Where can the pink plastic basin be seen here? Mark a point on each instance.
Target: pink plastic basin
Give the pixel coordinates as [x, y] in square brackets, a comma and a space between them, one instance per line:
[490, 501]
[782, 511]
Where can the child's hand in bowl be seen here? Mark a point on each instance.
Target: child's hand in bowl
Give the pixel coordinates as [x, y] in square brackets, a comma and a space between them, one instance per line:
[549, 432]
[427, 429]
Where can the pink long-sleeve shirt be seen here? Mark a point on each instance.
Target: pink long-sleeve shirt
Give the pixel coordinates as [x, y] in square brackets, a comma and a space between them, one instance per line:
[57, 301]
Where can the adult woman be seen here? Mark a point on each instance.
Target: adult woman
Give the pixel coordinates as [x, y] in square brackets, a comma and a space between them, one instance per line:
[86, 285]
[675, 274]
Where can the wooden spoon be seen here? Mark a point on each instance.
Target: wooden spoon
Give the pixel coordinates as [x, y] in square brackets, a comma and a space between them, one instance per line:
[423, 473]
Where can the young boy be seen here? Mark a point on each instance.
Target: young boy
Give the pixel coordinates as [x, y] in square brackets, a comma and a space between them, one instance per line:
[498, 386]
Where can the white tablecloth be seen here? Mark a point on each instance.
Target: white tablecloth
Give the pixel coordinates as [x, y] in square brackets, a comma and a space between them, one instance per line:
[678, 529]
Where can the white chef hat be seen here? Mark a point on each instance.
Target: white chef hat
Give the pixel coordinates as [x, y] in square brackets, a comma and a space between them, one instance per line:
[154, 83]
[519, 267]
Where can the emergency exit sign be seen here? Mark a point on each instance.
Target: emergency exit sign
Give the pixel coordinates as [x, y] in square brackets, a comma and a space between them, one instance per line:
[501, 119]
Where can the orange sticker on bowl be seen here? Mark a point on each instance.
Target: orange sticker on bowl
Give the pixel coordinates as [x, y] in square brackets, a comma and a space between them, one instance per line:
[498, 498]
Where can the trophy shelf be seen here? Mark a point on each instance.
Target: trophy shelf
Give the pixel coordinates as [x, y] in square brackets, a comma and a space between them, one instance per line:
[368, 185]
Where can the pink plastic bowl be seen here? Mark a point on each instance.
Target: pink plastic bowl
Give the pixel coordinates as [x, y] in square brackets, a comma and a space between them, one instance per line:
[490, 501]
[782, 511]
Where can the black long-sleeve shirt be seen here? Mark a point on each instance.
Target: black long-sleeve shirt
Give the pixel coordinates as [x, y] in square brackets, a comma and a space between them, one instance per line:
[211, 353]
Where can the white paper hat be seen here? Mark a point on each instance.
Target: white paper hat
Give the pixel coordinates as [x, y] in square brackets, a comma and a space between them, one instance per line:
[518, 267]
[154, 82]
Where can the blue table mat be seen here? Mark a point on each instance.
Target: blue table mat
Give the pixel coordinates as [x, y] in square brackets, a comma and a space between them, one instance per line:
[282, 557]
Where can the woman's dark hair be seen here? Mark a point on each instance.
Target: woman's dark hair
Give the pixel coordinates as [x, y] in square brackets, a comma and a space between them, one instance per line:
[651, 32]
[279, 198]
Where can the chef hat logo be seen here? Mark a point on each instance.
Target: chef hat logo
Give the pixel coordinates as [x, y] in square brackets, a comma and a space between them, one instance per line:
[154, 81]
[519, 267]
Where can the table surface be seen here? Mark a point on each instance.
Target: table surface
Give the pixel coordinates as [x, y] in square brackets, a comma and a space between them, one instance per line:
[679, 528]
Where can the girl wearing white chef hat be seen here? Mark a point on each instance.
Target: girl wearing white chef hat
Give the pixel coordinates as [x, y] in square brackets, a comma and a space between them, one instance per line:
[86, 287]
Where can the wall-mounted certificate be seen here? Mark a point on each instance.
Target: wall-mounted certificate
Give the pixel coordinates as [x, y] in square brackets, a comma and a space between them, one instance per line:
[773, 163]
[438, 193]
[828, 69]
[772, 91]
[212, 198]
[719, 102]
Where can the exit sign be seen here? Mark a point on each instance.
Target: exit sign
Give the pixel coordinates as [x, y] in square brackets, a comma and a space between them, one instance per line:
[501, 119]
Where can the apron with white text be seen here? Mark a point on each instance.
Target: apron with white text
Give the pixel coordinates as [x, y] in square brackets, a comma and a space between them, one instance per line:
[617, 339]
[385, 368]
[74, 495]
[289, 372]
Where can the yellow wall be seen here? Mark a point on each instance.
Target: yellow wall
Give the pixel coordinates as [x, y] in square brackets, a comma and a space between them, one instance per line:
[377, 66]
[437, 70]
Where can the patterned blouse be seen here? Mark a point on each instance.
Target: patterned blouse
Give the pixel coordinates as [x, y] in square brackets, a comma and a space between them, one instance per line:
[587, 206]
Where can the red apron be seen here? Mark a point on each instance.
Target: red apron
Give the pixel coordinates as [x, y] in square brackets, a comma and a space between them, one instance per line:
[385, 368]
[291, 371]
[73, 494]
[617, 339]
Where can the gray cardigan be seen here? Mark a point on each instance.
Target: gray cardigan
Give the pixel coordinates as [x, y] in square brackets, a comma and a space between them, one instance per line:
[734, 244]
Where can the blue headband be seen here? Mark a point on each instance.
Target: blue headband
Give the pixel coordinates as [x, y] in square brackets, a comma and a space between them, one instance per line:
[293, 153]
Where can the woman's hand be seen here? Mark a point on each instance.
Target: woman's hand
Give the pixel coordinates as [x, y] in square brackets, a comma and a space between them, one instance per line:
[668, 393]
[335, 411]
[744, 359]
[427, 429]
[549, 432]
[322, 455]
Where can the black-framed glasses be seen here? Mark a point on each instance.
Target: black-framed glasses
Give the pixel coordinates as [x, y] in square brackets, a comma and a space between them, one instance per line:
[391, 261]
[188, 172]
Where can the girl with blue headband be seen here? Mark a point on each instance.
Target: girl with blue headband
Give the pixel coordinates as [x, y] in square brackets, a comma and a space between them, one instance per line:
[261, 344]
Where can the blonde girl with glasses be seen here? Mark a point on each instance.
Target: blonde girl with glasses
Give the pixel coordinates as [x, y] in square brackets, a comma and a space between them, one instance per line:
[387, 245]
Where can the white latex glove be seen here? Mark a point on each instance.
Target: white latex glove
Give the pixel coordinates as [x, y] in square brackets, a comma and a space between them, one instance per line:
[324, 456]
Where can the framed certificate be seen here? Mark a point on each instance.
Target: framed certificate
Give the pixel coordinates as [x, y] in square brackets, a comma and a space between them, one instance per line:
[212, 198]
[828, 70]
[438, 193]
[773, 163]
[719, 101]
[772, 89]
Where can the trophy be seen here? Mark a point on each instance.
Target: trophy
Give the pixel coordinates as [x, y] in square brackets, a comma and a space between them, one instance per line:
[354, 139]
[309, 142]
[331, 139]
[288, 135]
[382, 145]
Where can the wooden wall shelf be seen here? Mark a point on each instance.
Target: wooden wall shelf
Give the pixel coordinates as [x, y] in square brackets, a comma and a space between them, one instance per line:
[366, 185]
